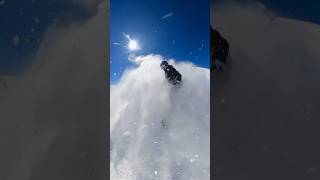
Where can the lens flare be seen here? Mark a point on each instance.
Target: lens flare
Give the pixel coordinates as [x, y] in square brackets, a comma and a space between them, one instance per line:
[133, 44]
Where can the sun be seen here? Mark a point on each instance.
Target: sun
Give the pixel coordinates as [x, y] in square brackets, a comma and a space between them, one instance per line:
[133, 45]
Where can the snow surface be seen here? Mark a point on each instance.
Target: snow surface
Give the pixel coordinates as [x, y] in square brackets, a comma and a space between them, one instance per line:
[141, 148]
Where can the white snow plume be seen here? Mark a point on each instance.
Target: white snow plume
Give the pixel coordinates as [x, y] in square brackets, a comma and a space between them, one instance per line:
[141, 147]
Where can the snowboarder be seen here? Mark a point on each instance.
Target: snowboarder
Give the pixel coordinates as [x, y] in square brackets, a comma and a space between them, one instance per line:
[219, 51]
[172, 75]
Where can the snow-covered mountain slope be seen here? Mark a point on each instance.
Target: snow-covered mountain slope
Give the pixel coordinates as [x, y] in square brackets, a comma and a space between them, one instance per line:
[141, 148]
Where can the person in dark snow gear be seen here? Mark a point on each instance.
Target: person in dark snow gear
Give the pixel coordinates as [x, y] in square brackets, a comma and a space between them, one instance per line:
[219, 50]
[172, 75]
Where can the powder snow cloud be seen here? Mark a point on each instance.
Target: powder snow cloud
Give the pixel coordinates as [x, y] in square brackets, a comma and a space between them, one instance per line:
[141, 147]
[54, 118]
[265, 104]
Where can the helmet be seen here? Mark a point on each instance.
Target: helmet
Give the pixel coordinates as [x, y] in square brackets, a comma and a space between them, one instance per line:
[164, 64]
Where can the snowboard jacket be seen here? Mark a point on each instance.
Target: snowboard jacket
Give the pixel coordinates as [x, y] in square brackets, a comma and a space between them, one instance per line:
[172, 75]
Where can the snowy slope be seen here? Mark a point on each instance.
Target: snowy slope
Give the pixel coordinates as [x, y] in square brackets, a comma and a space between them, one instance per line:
[140, 147]
[266, 105]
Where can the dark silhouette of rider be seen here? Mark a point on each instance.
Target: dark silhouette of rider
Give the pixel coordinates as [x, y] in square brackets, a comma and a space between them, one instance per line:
[172, 75]
[219, 50]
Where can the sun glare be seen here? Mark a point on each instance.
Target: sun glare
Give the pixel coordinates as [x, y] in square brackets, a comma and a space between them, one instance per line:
[133, 45]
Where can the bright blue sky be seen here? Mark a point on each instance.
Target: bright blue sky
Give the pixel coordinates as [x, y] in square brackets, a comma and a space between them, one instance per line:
[182, 36]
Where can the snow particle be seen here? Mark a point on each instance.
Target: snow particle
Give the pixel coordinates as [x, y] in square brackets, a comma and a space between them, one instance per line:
[36, 20]
[156, 172]
[16, 40]
[2, 2]
[127, 133]
[167, 16]
[311, 170]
